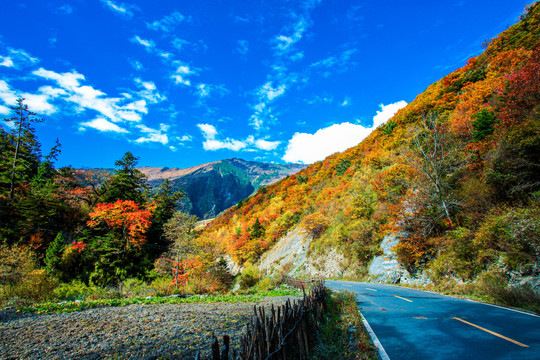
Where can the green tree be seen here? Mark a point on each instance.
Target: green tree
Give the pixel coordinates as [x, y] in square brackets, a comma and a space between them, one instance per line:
[25, 151]
[127, 183]
[166, 201]
[256, 230]
[483, 125]
[53, 256]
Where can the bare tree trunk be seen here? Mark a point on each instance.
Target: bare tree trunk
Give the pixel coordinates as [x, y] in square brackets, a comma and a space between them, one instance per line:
[15, 158]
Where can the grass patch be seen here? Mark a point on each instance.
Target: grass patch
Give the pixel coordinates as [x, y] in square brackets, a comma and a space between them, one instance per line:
[70, 306]
[343, 335]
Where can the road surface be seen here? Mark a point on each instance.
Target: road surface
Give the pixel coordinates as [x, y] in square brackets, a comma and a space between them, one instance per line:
[416, 325]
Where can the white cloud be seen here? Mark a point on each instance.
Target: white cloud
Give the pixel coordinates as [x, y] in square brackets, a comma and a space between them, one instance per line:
[203, 90]
[267, 145]
[179, 43]
[149, 45]
[136, 65]
[149, 91]
[178, 79]
[7, 95]
[387, 112]
[181, 73]
[17, 58]
[346, 101]
[309, 148]
[269, 92]
[119, 8]
[168, 23]
[86, 97]
[38, 103]
[4, 110]
[338, 63]
[184, 70]
[230, 144]
[185, 138]
[284, 43]
[6, 61]
[243, 47]
[103, 125]
[320, 100]
[209, 131]
[154, 135]
[211, 143]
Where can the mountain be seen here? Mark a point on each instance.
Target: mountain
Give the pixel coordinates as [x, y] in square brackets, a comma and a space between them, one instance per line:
[446, 192]
[213, 187]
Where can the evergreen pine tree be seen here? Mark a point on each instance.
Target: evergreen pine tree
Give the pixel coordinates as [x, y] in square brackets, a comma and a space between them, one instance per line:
[53, 256]
[127, 183]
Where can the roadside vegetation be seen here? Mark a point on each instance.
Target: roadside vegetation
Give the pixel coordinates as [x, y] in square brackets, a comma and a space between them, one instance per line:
[343, 335]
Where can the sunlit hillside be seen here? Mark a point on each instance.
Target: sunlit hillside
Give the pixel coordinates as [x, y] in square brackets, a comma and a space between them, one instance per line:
[455, 174]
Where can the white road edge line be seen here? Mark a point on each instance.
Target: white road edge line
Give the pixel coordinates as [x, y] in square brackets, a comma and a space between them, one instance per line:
[374, 338]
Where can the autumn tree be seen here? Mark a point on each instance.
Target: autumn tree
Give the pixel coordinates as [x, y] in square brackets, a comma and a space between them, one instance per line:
[125, 218]
[315, 223]
[435, 157]
[180, 232]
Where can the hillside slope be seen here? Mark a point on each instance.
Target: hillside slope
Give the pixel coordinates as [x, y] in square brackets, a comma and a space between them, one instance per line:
[453, 178]
[213, 187]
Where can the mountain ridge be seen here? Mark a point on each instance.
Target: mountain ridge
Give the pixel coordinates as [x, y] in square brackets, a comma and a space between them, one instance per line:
[213, 187]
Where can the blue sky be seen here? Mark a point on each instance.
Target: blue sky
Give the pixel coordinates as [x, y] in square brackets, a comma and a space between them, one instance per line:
[180, 83]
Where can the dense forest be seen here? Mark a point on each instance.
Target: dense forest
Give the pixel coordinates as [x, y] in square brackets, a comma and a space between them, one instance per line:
[88, 227]
[456, 172]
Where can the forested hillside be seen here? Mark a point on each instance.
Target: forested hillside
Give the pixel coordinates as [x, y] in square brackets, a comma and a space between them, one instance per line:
[456, 174]
[214, 187]
[453, 178]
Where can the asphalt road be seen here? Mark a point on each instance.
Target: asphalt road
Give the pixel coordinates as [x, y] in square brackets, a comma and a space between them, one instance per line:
[417, 325]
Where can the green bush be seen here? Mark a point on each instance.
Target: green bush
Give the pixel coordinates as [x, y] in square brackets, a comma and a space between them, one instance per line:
[266, 284]
[249, 276]
[136, 288]
[514, 234]
[75, 290]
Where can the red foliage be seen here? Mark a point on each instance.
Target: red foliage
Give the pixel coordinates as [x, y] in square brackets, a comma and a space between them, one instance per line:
[124, 216]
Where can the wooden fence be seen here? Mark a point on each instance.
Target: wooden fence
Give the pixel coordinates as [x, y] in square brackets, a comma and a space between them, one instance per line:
[288, 332]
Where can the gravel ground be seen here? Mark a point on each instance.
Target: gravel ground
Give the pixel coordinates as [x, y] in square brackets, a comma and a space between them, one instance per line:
[167, 331]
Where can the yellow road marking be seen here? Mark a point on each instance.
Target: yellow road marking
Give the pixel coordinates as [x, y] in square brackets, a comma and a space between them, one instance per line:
[371, 289]
[491, 332]
[399, 297]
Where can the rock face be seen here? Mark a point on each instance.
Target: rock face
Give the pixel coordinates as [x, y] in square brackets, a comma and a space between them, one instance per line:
[213, 187]
[291, 255]
[386, 268]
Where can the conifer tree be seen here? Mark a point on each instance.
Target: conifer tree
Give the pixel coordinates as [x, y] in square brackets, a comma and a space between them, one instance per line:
[53, 256]
[26, 153]
[127, 183]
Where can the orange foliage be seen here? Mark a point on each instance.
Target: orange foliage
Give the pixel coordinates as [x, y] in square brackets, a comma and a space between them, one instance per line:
[126, 217]
[183, 270]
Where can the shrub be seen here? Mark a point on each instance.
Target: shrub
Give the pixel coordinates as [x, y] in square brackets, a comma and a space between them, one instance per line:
[75, 290]
[266, 284]
[249, 276]
[514, 234]
[135, 288]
